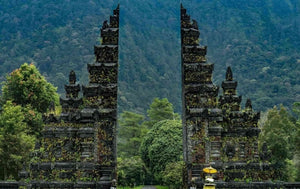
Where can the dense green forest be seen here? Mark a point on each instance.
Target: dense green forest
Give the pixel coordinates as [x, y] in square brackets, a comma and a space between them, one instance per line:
[260, 40]
[26, 96]
[149, 147]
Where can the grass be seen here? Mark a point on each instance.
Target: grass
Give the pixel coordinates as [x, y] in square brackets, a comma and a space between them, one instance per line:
[140, 187]
[161, 187]
[127, 187]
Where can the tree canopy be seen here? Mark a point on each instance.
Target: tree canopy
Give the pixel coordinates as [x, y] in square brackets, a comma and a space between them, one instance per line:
[15, 144]
[280, 134]
[259, 39]
[296, 110]
[160, 109]
[131, 171]
[131, 132]
[159, 138]
[162, 145]
[26, 95]
[26, 86]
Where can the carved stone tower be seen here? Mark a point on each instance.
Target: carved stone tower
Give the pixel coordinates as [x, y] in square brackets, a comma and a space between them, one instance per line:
[78, 148]
[199, 98]
[215, 130]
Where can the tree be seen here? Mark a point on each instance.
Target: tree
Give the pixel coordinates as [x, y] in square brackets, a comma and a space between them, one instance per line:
[296, 110]
[26, 86]
[15, 144]
[130, 133]
[131, 171]
[26, 95]
[33, 120]
[162, 145]
[160, 109]
[279, 133]
[172, 175]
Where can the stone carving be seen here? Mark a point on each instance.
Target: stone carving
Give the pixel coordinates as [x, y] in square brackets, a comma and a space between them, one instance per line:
[199, 102]
[110, 36]
[230, 150]
[52, 107]
[105, 25]
[248, 104]
[195, 24]
[72, 77]
[103, 73]
[216, 130]
[79, 146]
[106, 54]
[265, 155]
[229, 74]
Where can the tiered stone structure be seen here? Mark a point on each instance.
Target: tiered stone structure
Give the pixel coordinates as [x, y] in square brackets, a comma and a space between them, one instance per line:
[200, 111]
[78, 148]
[216, 131]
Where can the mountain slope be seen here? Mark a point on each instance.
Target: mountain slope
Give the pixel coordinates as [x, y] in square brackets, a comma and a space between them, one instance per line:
[260, 40]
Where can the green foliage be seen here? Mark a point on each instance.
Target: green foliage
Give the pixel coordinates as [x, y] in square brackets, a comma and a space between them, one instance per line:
[161, 187]
[160, 109]
[133, 131]
[26, 86]
[280, 134]
[297, 154]
[33, 119]
[131, 171]
[262, 49]
[130, 187]
[48, 151]
[292, 170]
[162, 145]
[130, 134]
[172, 175]
[25, 96]
[296, 110]
[15, 143]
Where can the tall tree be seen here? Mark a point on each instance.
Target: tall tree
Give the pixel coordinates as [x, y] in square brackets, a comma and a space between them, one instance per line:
[296, 110]
[162, 145]
[15, 144]
[130, 135]
[279, 133]
[131, 171]
[26, 86]
[160, 109]
[172, 175]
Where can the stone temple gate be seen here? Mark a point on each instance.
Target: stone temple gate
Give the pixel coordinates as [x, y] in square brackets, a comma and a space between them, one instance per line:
[78, 148]
[216, 131]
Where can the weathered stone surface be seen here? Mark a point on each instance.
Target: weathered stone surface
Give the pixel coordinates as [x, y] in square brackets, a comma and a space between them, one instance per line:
[81, 143]
[106, 53]
[216, 131]
[9, 184]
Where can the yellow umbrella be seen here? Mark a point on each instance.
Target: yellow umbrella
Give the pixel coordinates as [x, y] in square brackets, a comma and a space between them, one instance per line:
[210, 170]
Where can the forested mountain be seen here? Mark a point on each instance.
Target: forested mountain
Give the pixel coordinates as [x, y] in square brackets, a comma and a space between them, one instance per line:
[260, 40]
